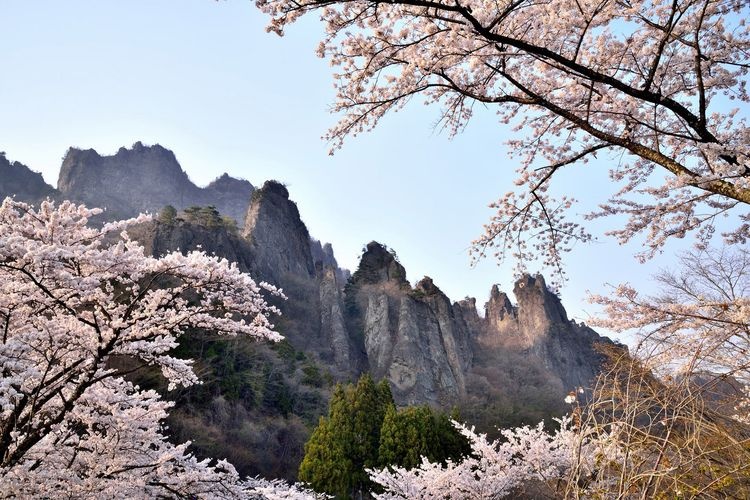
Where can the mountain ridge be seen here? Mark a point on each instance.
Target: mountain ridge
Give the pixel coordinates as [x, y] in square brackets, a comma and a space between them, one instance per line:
[513, 365]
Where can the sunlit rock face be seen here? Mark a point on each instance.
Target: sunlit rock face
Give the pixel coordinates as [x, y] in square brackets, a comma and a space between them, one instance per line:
[145, 179]
[411, 336]
[538, 326]
[427, 347]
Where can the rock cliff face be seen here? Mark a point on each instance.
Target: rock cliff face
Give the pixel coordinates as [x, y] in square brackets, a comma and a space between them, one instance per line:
[539, 327]
[277, 235]
[332, 323]
[410, 335]
[144, 179]
[427, 347]
[432, 351]
[16, 179]
[159, 239]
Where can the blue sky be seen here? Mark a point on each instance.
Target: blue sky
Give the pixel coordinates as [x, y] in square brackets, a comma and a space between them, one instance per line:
[204, 79]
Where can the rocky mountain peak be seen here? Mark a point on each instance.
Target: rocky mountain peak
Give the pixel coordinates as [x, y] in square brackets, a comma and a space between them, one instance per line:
[85, 169]
[230, 196]
[322, 254]
[144, 179]
[427, 287]
[499, 306]
[16, 179]
[275, 188]
[277, 234]
[378, 264]
[225, 182]
[537, 304]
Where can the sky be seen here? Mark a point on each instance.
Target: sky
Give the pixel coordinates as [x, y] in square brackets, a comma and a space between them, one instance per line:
[204, 79]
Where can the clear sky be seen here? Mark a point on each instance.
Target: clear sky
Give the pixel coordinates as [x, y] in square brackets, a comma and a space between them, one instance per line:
[205, 80]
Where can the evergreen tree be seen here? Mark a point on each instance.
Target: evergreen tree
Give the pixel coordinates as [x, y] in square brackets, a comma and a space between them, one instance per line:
[364, 430]
[367, 412]
[409, 434]
[325, 465]
[453, 445]
[346, 443]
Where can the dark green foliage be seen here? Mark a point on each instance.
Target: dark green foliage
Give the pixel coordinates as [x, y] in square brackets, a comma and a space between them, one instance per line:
[364, 430]
[168, 214]
[312, 376]
[406, 436]
[229, 224]
[346, 442]
[413, 432]
[209, 217]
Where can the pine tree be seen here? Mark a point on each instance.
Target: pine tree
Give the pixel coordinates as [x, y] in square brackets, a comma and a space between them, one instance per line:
[168, 214]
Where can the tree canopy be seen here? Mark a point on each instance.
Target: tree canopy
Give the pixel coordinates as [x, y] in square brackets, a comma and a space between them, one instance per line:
[364, 430]
[649, 83]
[72, 298]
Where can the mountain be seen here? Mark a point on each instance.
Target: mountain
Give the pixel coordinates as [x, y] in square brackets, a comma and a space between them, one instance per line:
[16, 179]
[429, 348]
[144, 179]
[513, 364]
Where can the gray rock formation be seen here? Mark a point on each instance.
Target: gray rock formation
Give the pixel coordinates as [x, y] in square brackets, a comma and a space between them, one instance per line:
[16, 179]
[539, 328]
[159, 239]
[144, 179]
[332, 322]
[230, 196]
[410, 335]
[427, 347]
[277, 235]
[323, 257]
[432, 351]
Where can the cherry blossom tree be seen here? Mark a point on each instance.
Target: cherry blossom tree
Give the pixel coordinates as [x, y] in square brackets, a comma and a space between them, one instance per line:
[648, 83]
[71, 298]
[522, 457]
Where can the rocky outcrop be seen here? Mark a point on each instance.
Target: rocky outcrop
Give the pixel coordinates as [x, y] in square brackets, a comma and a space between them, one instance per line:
[144, 179]
[427, 347]
[323, 257]
[411, 336]
[161, 238]
[332, 322]
[16, 179]
[500, 322]
[230, 196]
[279, 239]
[538, 327]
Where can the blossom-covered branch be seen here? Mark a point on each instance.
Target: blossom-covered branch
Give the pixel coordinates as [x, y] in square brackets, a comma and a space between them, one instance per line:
[653, 79]
[71, 298]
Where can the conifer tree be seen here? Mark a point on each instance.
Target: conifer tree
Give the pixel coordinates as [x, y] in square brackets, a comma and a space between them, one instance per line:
[346, 443]
[325, 465]
[415, 432]
[408, 435]
[363, 430]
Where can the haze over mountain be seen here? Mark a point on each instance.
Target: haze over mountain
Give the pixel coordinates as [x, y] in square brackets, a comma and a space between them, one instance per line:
[513, 363]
